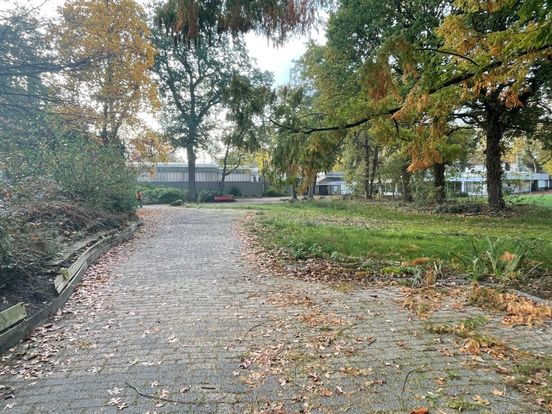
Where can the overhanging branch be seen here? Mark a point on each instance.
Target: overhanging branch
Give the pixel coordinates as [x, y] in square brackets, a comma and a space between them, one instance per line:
[450, 82]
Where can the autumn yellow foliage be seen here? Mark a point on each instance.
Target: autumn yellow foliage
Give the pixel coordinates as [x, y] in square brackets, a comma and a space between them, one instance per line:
[111, 37]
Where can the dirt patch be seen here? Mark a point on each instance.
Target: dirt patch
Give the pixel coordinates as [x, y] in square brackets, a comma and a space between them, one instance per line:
[44, 238]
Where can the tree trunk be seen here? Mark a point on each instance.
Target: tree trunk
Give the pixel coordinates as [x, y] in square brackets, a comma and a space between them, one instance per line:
[405, 181]
[493, 157]
[367, 171]
[439, 182]
[191, 171]
[224, 169]
[294, 192]
[104, 134]
[375, 162]
[312, 187]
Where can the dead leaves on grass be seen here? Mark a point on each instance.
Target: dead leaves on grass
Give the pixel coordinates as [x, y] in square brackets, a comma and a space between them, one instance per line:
[312, 357]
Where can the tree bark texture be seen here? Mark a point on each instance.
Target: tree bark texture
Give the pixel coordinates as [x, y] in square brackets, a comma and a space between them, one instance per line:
[405, 181]
[439, 183]
[191, 171]
[493, 157]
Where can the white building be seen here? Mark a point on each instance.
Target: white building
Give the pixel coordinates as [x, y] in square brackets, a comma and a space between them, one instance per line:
[516, 179]
[207, 176]
[331, 183]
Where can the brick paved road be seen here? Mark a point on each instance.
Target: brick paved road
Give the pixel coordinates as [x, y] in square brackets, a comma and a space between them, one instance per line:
[186, 319]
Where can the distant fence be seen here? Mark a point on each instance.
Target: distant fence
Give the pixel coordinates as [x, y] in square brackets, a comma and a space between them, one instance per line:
[246, 188]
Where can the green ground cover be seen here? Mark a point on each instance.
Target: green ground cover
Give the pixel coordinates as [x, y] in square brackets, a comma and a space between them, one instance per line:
[385, 233]
[536, 199]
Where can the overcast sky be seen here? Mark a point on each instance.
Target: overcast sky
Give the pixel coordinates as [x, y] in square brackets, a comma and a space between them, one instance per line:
[279, 60]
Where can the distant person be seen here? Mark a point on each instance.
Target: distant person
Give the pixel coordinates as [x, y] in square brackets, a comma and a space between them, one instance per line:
[139, 198]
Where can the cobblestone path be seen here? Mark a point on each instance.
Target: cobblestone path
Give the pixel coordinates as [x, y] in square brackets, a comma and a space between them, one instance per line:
[185, 325]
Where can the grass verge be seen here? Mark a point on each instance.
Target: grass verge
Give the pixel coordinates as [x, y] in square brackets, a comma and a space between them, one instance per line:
[387, 238]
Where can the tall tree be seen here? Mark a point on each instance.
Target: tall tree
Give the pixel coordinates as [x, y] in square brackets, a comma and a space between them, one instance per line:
[349, 83]
[503, 51]
[113, 90]
[193, 82]
[26, 92]
[487, 54]
[246, 129]
[23, 95]
[299, 157]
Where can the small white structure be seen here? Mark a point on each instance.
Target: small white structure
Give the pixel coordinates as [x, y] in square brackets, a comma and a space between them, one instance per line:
[331, 183]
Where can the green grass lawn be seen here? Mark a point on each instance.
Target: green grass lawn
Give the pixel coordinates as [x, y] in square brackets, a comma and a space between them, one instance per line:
[381, 232]
[536, 199]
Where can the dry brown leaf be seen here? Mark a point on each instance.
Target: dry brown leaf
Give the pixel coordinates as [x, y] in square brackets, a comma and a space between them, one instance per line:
[417, 261]
[325, 392]
[497, 393]
[480, 400]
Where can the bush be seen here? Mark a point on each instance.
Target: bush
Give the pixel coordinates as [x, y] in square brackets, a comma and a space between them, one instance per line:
[206, 196]
[235, 192]
[37, 223]
[423, 191]
[93, 173]
[273, 192]
[161, 195]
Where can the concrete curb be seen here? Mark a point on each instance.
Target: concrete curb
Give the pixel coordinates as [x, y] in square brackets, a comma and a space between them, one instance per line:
[17, 332]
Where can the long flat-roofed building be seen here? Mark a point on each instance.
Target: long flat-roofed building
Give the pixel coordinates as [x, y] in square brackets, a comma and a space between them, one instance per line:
[207, 177]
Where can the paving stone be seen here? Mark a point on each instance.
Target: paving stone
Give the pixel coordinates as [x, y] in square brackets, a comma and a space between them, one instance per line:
[184, 310]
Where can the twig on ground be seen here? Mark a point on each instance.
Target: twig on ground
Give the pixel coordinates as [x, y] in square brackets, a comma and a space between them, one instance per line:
[250, 329]
[155, 397]
[408, 375]
[340, 332]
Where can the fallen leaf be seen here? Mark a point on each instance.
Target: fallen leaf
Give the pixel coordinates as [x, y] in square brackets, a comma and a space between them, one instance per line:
[326, 392]
[480, 400]
[498, 393]
[421, 410]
